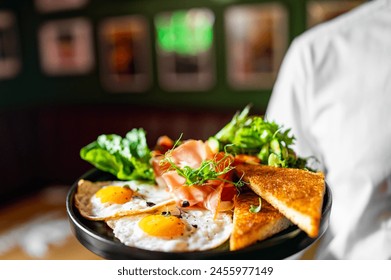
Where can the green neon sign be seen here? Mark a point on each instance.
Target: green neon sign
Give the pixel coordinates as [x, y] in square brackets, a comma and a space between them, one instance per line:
[185, 32]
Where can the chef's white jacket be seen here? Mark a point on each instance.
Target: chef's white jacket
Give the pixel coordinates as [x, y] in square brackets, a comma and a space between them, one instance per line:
[334, 91]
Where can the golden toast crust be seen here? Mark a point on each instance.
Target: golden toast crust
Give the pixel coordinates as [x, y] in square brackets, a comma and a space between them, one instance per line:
[296, 193]
[249, 227]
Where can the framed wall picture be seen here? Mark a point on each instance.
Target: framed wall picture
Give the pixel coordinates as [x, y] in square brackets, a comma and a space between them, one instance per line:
[125, 54]
[185, 49]
[46, 6]
[256, 40]
[66, 47]
[321, 11]
[10, 62]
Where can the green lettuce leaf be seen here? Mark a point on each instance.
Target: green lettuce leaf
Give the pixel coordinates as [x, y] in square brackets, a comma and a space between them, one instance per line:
[127, 158]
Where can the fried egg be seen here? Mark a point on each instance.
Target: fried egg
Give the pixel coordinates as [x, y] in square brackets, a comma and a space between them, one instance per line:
[103, 200]
[190, 230]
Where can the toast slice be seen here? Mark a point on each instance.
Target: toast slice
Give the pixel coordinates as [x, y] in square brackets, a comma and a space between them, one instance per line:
[248, 227]
[296, 193]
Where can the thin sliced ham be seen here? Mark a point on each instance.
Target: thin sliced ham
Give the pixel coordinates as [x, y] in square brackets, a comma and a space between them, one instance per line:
[215, 195]
[191, 153]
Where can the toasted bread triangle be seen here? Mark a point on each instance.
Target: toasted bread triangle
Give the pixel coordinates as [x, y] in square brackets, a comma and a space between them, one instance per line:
[248, 228]
[296, 193]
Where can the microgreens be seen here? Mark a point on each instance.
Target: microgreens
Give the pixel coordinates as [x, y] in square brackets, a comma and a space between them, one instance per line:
[210, 169]
[256, 208]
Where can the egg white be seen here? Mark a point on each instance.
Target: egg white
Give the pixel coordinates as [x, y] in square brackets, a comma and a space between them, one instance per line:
[202, 232]
[146, 197]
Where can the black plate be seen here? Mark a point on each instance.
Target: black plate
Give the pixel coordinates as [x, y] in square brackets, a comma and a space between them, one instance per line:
[99, 238]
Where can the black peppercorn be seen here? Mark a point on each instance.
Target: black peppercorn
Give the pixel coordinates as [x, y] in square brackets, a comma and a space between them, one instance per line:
[185, 203]
[150, 204]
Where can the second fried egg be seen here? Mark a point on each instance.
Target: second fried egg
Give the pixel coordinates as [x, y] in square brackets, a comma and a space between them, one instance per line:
[191, 230]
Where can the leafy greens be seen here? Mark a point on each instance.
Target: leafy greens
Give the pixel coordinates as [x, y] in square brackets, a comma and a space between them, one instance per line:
[127, 158]
[252, 135]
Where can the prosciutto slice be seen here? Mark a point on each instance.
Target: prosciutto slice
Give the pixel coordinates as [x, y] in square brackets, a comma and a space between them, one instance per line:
[215, 195]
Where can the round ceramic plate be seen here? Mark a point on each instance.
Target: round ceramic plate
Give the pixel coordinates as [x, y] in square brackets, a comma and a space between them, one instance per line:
[99, 238]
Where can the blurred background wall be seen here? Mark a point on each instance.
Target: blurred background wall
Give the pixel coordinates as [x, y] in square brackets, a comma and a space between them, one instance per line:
[71, 70]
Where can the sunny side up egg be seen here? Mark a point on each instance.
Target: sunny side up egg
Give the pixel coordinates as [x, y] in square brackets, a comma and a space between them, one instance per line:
[192, 230]
[119, 198]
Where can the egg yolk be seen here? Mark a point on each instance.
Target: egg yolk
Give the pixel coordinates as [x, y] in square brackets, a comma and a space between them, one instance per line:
[115, 194]
[162, 226]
